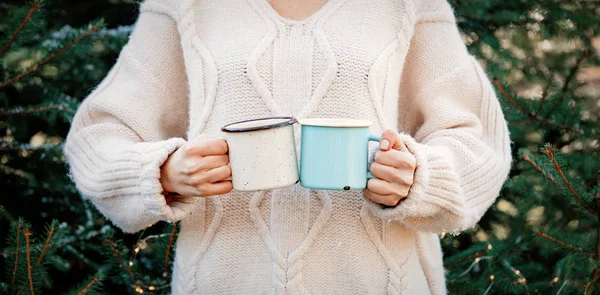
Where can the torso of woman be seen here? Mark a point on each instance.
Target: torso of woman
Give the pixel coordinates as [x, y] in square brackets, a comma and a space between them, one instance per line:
[192, 66]
[336, 58]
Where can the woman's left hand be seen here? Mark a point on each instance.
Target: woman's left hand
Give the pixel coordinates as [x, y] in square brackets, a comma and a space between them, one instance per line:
[394, 167]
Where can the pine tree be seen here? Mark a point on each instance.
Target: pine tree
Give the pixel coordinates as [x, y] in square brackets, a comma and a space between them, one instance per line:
[541, 237]
[46, 67]
[543, 234]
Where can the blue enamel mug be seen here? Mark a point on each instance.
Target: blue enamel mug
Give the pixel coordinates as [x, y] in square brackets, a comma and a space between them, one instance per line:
[334, 153]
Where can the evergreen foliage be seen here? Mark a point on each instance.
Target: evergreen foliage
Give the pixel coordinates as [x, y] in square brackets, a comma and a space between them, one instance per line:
[541, 237]
[543, 234]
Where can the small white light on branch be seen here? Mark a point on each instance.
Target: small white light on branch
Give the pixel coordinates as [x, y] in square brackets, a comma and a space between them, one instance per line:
[130, 263]
[522, 280]
[492, 277]
[489, 246]
[477, 259]
[555, 279]
[151, 288]
[517, 272]
[137, 249]
[142, 244]
[139, 289]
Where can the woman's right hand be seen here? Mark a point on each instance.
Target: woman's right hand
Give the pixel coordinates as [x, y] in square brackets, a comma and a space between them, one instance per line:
[198, 169]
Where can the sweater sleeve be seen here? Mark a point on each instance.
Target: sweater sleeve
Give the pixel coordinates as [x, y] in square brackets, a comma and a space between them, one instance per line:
[127, 127]
[457, 131]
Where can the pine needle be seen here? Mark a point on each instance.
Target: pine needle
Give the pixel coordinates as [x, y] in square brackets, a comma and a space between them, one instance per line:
[16, 253]
[550, 154]
[6, 46]
[27, 234]
[51, 57]
[566, 245]
[92, 282]
[168, 252]
[46, 245]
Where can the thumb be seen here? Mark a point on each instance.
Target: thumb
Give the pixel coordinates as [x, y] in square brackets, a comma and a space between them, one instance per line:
[389, 140]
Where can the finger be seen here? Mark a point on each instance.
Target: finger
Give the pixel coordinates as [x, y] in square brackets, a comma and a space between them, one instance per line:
[207, 146]
[382, 187]
[387, 200]
[389, 139]
[391, 174]
[217, 174]
[395, 158]
[195, 164]
[213, 175]
[384, 172]
[218, 188]
[211, 162]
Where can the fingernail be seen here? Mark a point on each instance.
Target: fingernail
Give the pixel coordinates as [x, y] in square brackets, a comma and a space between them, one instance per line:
[384, 144]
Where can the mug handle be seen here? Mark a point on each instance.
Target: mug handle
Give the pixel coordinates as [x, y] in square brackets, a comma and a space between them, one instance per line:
[377, 139]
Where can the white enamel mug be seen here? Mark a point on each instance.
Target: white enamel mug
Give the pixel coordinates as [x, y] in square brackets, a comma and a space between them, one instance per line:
[262, 153]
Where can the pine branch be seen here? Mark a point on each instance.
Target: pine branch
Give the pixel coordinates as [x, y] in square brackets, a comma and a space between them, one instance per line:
[39, 260]
[531, 116]
[550, 154]
[509, 98]
[464, 291]
[27, 234]
[36, 109]
[598, 243]
[168, 252]
[92, 282]
[17, 172]
[51, 57]
[568, 80]
[470, 257]
[118, 256]
[596, 274]
[7, 146]
[46, 246]
[517, 122]
[27, 18]
[16, 253]
[589, 285]
[538, 168]
[566, 245]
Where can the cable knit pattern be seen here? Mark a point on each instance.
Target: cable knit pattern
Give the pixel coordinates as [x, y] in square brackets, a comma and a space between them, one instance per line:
[396, 276]
[192, 66]
[288, 267]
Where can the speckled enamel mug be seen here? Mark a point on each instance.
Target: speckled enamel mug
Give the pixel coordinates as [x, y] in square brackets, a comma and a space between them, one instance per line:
[334, 154]
[262, 153]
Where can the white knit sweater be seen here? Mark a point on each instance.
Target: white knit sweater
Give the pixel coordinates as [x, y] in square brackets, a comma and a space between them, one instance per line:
[192, 66]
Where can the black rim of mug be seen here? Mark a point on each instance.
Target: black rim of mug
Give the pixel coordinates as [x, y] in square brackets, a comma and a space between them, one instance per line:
[288, 121]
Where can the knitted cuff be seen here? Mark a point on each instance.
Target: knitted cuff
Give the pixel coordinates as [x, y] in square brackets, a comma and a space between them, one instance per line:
[152, 157]
[421, 180]
[435, 186]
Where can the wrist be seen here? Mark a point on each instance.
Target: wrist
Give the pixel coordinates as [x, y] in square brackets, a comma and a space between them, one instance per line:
[165, 178]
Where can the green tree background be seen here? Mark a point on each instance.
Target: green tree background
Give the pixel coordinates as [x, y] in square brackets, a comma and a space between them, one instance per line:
[541, 237]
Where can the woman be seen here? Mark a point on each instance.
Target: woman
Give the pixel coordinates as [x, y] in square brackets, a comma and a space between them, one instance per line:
[145, 147]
